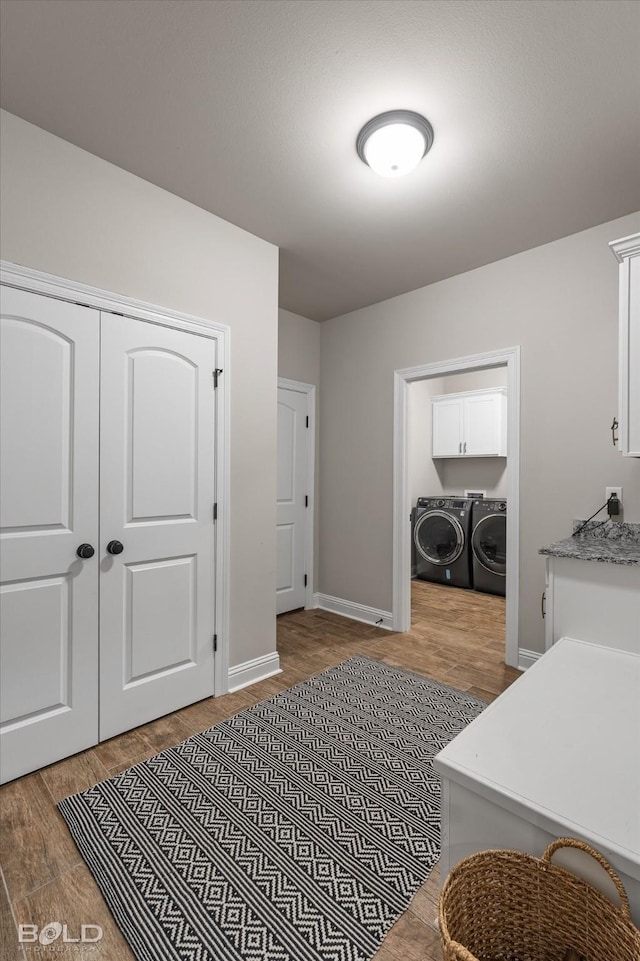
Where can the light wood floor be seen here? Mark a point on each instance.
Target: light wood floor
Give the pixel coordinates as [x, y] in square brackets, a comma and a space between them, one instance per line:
[457, 637]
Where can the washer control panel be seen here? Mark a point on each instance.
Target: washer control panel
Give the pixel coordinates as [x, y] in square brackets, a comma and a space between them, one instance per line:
[451, 503]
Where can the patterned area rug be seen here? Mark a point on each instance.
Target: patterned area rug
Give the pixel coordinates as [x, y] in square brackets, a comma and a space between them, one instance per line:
[298, 830]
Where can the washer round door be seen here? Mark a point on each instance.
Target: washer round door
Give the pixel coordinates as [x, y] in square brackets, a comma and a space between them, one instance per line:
[439, 537]
[489, 543]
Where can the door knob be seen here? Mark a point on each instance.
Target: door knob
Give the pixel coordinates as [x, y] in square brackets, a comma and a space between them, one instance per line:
[115, 547]
[85, 551]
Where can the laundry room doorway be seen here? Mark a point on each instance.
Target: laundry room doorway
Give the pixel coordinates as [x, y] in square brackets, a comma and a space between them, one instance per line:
[455, 422]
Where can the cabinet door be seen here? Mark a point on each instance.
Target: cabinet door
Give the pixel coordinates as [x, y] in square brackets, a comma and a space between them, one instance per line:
[447, 427]
[49, 481]
[630, 420]
[483, 425]
[627, 253]
[157, 491]
[595, 602]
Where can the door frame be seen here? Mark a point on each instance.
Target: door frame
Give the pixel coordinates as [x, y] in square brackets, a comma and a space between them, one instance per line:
[61, 288]
[509, 358]
[309, 540]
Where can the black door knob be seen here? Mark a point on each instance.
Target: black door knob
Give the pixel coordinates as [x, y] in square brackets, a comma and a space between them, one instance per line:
[115, 547]
[85, 551]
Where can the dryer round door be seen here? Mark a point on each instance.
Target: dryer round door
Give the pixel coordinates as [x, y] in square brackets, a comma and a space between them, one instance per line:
[439, 537]
[489, 543]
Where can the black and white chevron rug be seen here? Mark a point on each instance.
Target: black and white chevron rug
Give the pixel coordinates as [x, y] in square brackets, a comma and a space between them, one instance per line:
[298, 830]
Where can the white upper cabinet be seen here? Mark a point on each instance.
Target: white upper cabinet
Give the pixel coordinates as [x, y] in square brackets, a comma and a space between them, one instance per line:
[627, 252]
[471, 424]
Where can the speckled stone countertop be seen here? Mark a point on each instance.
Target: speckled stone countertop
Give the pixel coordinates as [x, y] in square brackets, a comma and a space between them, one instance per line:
[607, 541]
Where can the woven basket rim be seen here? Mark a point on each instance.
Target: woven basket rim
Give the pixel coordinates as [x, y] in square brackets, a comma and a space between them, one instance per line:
[620, 917]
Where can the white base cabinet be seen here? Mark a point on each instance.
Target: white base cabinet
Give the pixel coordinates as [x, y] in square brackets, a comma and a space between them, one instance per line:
[470, 424]
[595, 601]
[555, 755]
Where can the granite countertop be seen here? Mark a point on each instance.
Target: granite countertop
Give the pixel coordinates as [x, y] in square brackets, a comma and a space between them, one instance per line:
[609, 542]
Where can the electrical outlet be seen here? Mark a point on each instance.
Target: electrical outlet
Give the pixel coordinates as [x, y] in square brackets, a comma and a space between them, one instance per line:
[618, 492]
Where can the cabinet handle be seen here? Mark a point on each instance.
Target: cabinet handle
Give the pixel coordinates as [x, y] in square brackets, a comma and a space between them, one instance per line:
[614, 427]
[465, 448]
[460, 447]
[543, 604]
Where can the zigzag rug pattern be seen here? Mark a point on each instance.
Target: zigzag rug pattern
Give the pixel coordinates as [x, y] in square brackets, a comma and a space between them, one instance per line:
[298, 830]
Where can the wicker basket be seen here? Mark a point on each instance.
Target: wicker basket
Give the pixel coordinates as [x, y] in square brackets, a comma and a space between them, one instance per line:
[510, 906]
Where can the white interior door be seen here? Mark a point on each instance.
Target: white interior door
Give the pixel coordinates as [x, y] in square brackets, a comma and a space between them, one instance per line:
[157, 491]
[292, 499]
[49, 493]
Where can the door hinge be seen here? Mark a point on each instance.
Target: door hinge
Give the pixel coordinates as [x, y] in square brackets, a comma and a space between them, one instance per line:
[305, 580]
[216, 374]
[215, 643]
[215, 512]
[306, 500]
[307, 421]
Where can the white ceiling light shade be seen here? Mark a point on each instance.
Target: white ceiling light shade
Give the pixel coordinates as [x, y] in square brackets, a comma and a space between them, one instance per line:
[393, 143]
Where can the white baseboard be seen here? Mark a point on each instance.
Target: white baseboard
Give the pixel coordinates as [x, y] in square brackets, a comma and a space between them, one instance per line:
[242, 675]
[527, 658]
[357, 612]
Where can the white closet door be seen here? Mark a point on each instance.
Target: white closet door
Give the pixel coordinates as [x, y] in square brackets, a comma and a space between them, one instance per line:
[157, 493]
[291, 493]
[49, 492]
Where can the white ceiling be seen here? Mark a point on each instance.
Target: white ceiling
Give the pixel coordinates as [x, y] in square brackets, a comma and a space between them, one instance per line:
[250, 109]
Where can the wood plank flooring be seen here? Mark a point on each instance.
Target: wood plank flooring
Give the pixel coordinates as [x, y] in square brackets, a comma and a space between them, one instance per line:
[456, 637]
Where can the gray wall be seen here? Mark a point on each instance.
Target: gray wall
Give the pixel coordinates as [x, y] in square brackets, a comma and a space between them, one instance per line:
[66, 212]
[299, 359]
[559, 303]
[424, 473]
[298, 348]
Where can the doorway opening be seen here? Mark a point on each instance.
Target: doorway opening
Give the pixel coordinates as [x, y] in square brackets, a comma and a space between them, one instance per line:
[508, 361]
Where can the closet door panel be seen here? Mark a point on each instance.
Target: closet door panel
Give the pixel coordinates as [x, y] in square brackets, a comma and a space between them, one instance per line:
[163, 390]
[49, 494]
[160, 617]
[157, 496]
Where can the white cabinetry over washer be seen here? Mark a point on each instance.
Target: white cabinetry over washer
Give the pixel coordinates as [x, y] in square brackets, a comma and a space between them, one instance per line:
[627, 252]
[470, 424]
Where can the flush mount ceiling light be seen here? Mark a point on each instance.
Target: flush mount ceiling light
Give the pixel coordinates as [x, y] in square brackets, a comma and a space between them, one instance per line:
[393, 143]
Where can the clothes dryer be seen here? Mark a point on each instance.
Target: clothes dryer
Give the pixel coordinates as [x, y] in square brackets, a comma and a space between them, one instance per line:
[489, 546]
[441, 535]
